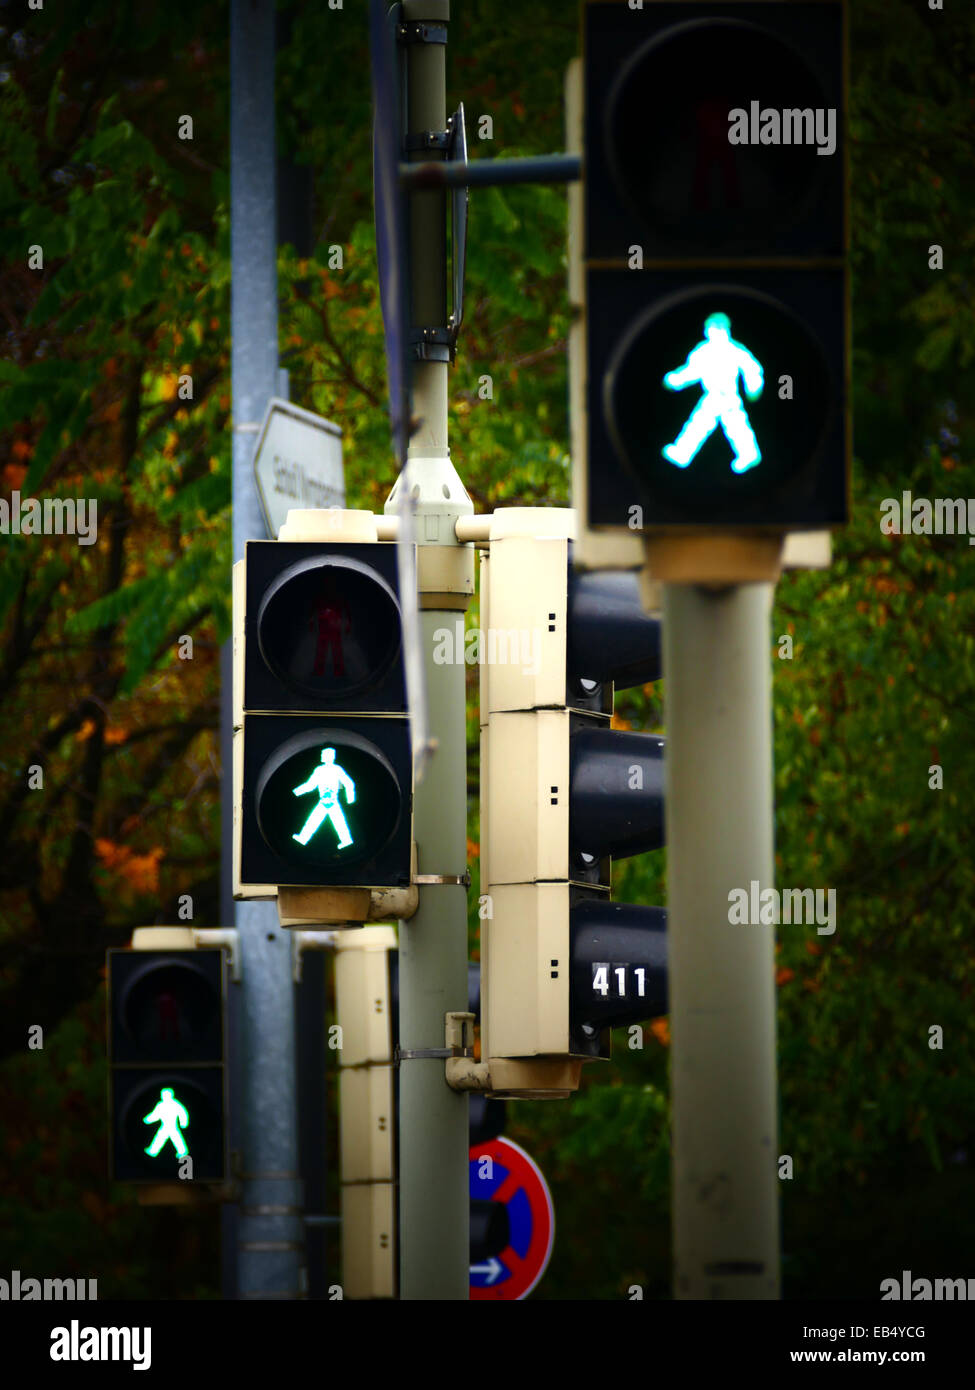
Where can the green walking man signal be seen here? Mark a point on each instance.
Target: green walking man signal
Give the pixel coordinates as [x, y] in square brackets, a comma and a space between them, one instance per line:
[716, 363]
[327, 780]
[171, 1117]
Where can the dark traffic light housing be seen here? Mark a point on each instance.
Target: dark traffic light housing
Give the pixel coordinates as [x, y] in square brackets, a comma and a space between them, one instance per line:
[166, 1023]
[323, 763]
[716, 286]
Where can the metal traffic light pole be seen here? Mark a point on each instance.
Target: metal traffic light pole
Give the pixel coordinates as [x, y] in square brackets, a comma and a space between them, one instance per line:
[718, 803]
[270, 1249]
[433, 1140]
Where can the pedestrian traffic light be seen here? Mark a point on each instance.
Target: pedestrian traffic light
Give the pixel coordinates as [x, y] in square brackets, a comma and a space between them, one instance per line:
[714, 279]
[562, 793]
[322, 757]
[167, 1100]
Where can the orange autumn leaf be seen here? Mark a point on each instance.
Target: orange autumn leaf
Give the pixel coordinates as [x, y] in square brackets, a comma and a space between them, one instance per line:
[141, 871]
[660, 1028]
[14, 475]
[620, 723]
[116, 735]
[86, 730]
[110, 853]
[21, 449]
[783, 976]
[473, 849]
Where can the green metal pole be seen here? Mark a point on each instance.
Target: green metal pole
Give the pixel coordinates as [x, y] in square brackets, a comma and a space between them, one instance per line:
[433, 1123]
[721, 986]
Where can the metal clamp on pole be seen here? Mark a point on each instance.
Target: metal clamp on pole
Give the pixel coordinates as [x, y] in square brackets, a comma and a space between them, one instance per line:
[428, 140]
[421, 32]
[430, 344]
[462, 1072]
[459, 1038]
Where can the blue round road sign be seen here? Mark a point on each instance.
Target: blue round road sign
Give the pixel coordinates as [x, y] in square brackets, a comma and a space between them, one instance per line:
[501, 1171]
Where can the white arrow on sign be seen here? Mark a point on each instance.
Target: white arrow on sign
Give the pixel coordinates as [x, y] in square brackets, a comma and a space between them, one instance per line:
[297, 462]
[492, 1268]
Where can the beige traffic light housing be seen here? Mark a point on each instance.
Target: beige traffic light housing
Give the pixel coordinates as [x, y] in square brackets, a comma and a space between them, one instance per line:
[525, 870]
[366, 1112]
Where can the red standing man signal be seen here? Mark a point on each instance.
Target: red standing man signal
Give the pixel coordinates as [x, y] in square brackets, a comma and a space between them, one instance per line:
[332, 617]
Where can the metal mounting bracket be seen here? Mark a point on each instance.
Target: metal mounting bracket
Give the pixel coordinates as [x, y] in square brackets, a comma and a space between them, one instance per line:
[418, 31]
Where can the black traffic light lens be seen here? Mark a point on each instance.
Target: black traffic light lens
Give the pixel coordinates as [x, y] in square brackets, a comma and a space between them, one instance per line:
[168, 1011]
[162, 1120]
[326, 798]
[666, 135]
[166, 1006]
[618, 971]
[616, 793]
[610, 636]
[716, 398]
[329, 628]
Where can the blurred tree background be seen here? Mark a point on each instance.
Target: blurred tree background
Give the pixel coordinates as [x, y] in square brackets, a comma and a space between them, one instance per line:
[133, 295]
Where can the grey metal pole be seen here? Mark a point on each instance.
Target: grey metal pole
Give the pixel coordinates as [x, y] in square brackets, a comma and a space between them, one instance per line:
[270, 1251]
[721, 985]
[433, 1143]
